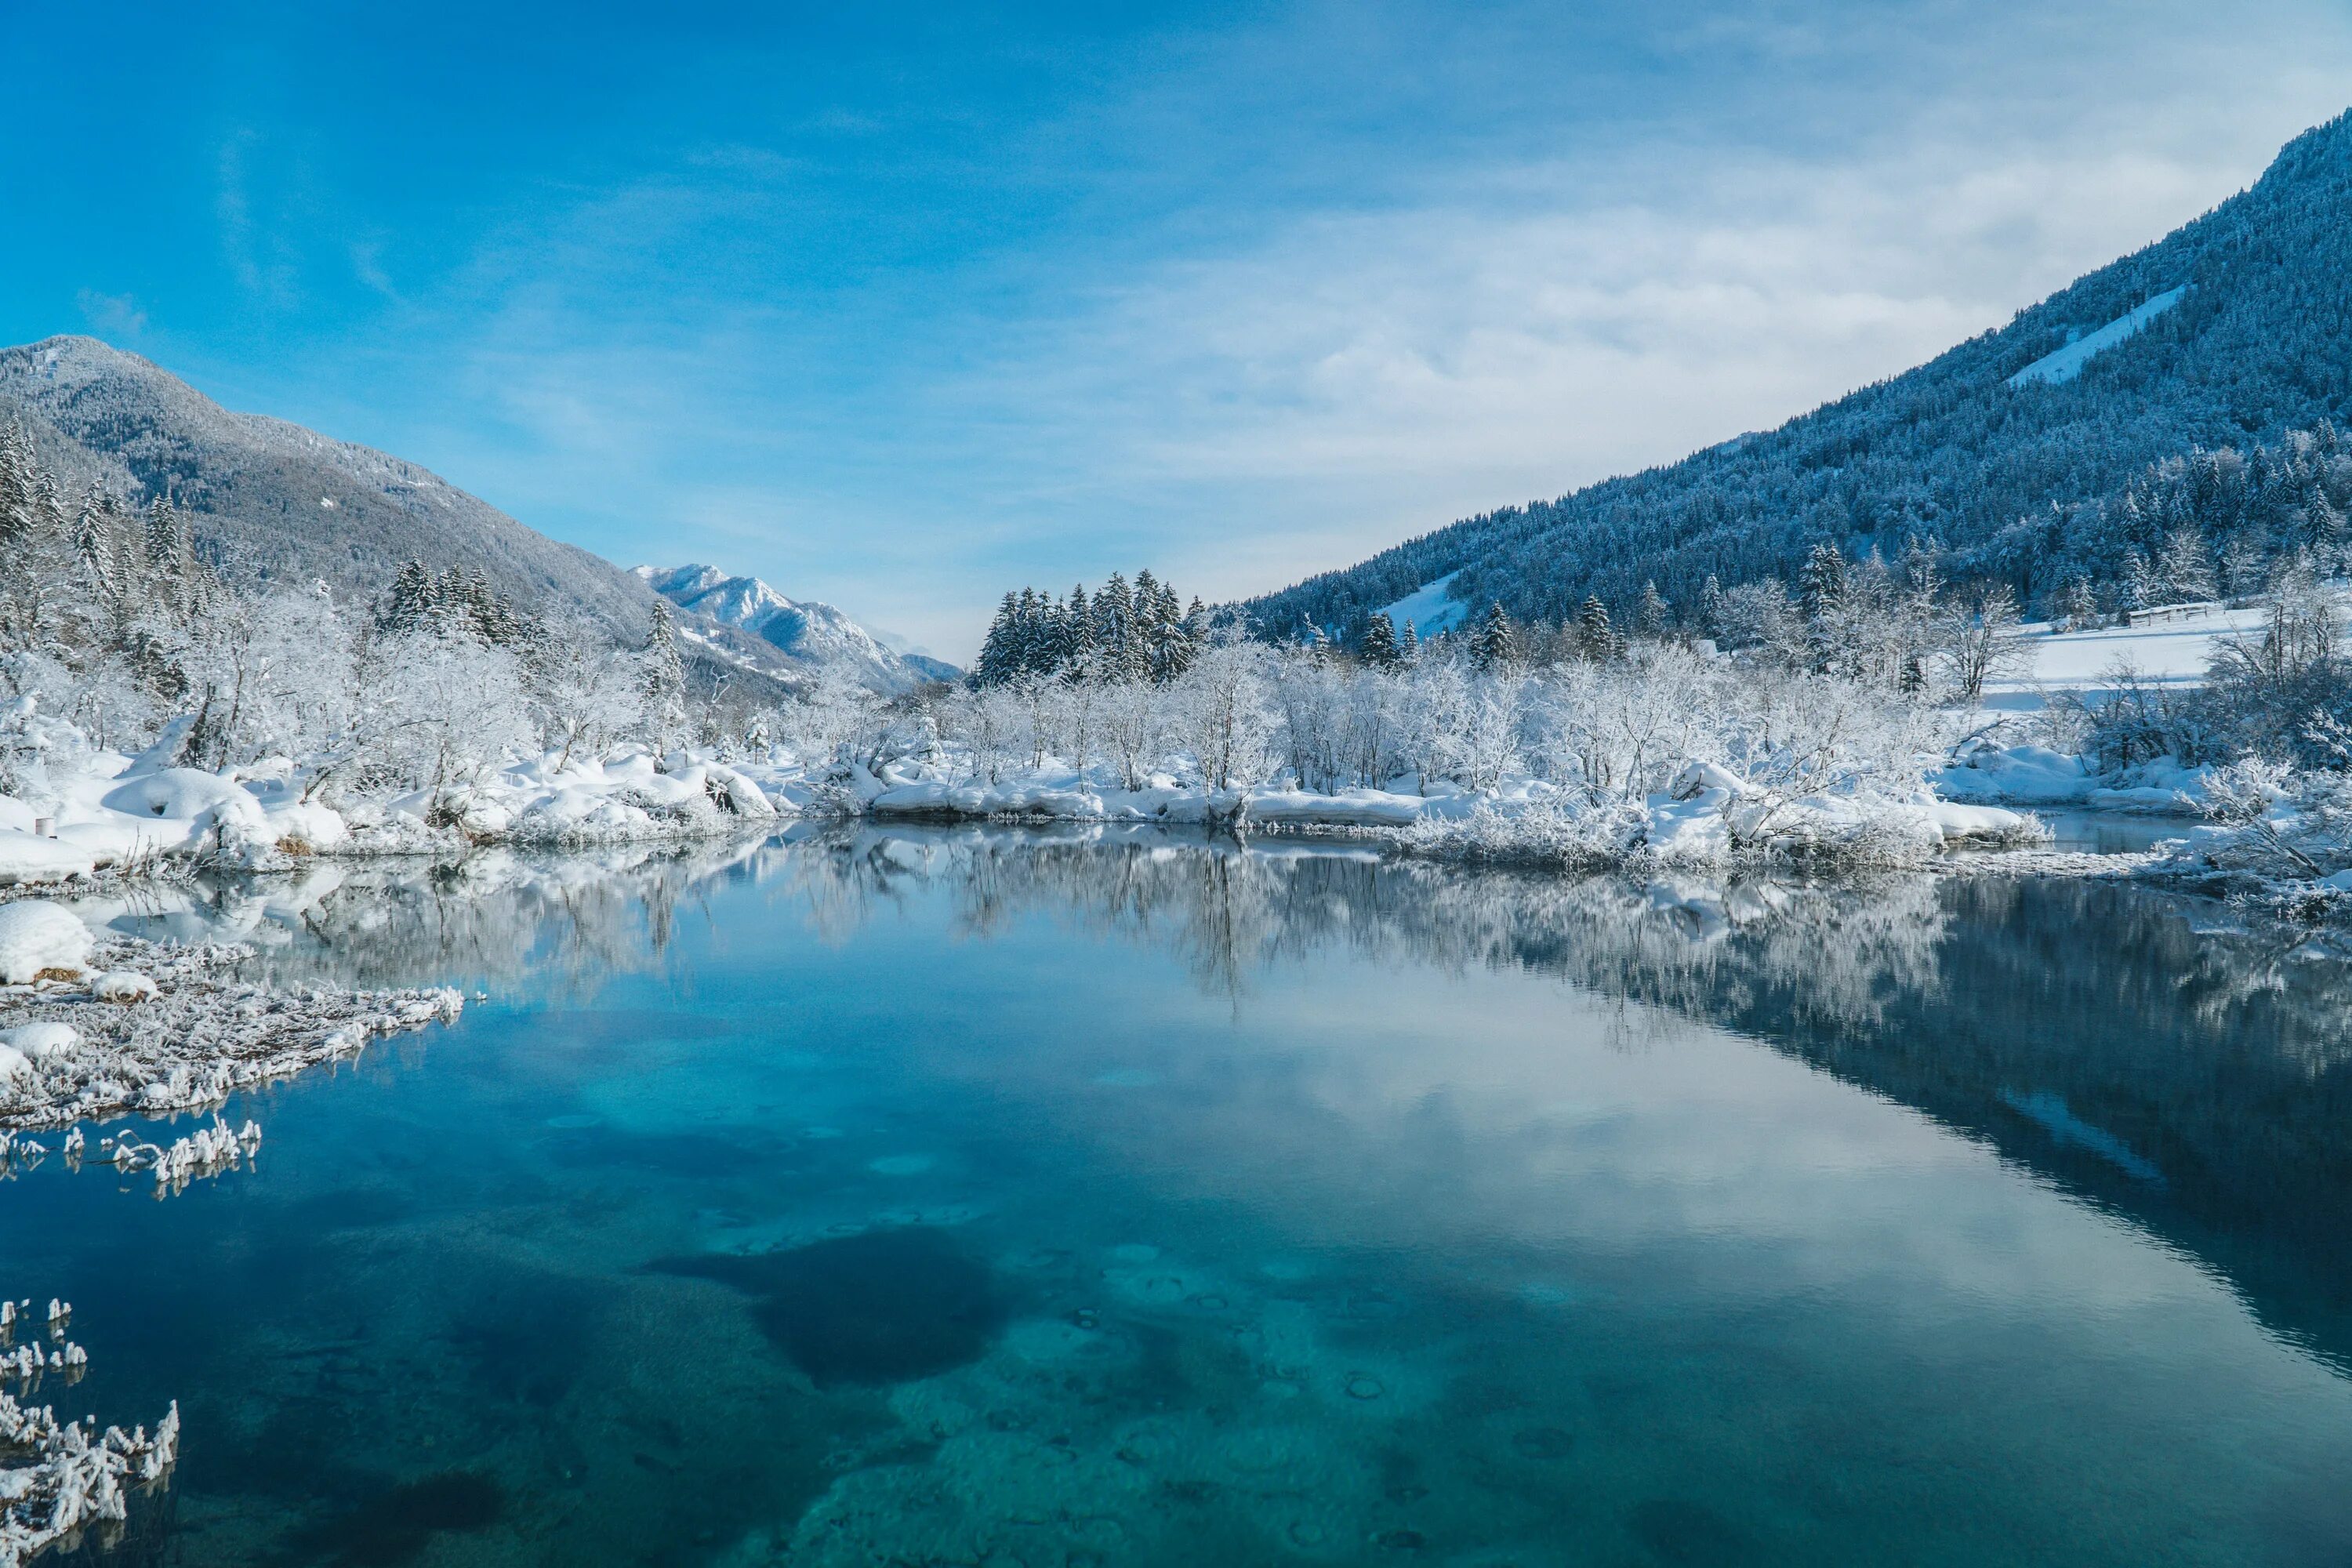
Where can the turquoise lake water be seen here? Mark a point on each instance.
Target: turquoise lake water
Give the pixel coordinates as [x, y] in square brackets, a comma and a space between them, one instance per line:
[986, 1198]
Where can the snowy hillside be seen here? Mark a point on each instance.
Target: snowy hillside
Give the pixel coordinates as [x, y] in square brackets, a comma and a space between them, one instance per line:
[1430, 608]
[271, 500]
[2013, 450]
[2064, 364]
[813, 636]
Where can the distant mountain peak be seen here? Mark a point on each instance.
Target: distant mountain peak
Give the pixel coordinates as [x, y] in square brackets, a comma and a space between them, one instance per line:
[813, 635]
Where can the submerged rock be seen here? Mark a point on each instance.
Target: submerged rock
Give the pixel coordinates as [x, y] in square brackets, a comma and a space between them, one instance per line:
[883, 1307]
[397, 1524]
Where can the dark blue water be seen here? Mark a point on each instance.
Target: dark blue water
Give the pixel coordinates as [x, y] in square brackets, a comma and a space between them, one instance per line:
[984, 1199]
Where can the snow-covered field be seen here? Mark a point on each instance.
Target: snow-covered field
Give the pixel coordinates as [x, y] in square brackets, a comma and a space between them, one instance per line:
[2171, 651]
[1429, 607]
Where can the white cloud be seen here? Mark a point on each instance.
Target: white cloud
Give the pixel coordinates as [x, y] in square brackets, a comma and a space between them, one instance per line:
[117, 316]
[1371, 375]
[1241, 377]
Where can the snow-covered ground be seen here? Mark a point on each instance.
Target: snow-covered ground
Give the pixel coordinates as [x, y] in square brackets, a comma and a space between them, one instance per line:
[88, 810]
[2171, 648]
[2065, 363]
[2170, 651]
[1428, 608]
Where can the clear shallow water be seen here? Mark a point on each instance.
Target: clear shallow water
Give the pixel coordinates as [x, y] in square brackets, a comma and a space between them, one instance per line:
[980, 1198]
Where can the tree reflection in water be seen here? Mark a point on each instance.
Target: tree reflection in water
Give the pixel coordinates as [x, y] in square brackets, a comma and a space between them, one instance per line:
[2193, 1081]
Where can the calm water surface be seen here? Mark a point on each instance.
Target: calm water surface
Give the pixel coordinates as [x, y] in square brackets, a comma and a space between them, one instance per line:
[977, 1198]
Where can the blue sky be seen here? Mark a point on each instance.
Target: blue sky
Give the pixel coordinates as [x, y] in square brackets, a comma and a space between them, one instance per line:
[899, 306]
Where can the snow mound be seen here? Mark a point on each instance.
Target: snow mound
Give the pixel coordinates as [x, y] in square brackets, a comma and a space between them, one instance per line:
[184, 794]
[2038, 776]
[37, 935]
[122, 987]
[28, 857]
[41, 1042]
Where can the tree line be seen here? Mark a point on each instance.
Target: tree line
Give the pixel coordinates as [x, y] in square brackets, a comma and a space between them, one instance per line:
[1116, 633]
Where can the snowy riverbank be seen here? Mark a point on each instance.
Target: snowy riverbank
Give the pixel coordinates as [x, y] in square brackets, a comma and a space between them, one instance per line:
[83, 811]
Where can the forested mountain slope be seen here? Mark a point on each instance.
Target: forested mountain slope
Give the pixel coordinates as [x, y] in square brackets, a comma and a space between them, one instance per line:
[268, 499]
[2015, 449]
[269, 502]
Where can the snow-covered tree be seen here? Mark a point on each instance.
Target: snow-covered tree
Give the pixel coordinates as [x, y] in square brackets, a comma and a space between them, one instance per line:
[1496, 644]
[1981, 640]
[662, 676]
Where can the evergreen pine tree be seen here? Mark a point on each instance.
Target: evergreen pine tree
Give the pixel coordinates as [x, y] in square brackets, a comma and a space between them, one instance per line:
[1596, 638]
[1029, 649]
[1409, 646]
[1080, 655]
[1710, 607]
[1820, 585]
[411, 598]
[1115, 631]
[1378, 646]
[163, 543]
[1496, 644]
[665, 674]
[93, 542]
[16, 488]
[1195, 634]
[1653, 616]
[999, 648]
[1821, 596]
[2082, 605]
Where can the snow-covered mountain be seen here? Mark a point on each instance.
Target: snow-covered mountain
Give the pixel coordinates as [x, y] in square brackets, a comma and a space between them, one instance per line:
[815, 636]
[271, 499]
[2013, 450]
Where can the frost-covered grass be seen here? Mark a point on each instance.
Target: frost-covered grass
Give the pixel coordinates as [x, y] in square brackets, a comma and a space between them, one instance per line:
[93, 1043]
[59, 1479]
[64, 1479]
